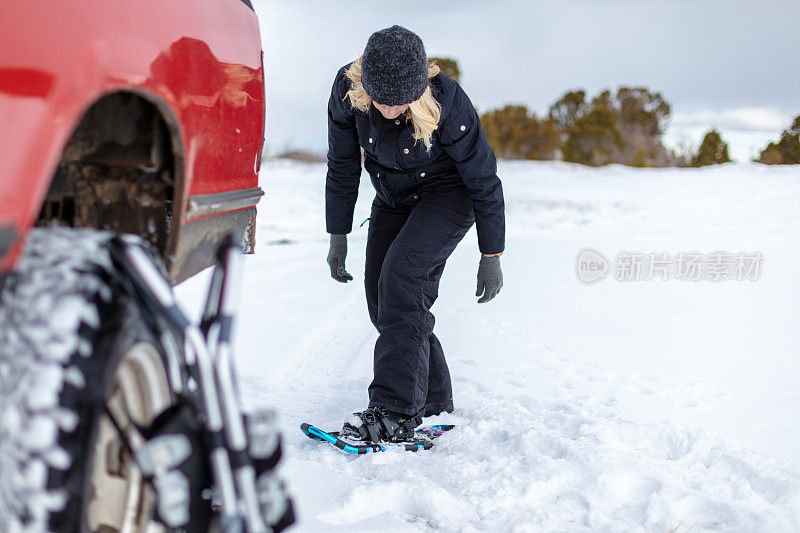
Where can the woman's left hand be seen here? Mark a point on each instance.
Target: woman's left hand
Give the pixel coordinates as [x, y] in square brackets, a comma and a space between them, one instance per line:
[490, 277]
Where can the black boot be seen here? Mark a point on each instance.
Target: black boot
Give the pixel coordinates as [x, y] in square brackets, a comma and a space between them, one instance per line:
[433, 409]
[377, 424]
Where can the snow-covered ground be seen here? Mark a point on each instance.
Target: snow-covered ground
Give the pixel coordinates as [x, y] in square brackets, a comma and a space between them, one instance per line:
[617, 406]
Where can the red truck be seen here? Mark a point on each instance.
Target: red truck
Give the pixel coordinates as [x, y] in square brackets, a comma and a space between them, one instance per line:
[116, 414]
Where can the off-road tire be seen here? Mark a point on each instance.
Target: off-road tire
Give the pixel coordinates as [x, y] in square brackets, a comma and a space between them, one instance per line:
[68, 335]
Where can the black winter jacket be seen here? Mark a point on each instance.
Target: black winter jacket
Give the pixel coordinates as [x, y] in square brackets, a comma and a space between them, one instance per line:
[400, 169]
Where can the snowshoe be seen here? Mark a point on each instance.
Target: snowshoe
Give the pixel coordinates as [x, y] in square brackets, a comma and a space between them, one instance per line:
[423, 439]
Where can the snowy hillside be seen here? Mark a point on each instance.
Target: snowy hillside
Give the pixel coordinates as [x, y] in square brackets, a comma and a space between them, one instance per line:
[616, 406]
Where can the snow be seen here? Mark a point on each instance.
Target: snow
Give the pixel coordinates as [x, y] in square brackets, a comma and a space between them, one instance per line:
[617, 406]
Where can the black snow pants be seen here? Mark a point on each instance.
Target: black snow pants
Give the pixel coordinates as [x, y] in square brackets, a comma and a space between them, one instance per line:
[407, 246]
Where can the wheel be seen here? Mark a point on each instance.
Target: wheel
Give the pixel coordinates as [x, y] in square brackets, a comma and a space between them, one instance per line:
[72, 346]
[115, 495]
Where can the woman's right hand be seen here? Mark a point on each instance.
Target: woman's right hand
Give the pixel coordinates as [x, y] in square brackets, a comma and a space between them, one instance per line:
[336, 254]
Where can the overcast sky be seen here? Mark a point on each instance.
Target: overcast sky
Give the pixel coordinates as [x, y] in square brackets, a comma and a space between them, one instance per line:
[731, 64]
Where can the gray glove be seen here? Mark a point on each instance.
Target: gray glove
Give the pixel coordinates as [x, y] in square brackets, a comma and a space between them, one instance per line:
[336, 255]
[490, 278]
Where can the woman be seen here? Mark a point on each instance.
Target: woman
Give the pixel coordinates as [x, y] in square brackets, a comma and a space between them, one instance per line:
[434, 175]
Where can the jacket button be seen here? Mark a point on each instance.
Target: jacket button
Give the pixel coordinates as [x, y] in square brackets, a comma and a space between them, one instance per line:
[370, 139]
[463, 127]
[397, 122]
[405, 151]
[379, 174]
[416, 197]
[422, 175]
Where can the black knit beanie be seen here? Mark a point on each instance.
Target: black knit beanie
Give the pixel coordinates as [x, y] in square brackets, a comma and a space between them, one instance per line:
[394, 69]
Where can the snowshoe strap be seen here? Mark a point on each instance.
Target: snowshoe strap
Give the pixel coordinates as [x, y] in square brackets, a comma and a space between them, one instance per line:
[372, 424]
[411, 423]
[373, 432]
[395, 429]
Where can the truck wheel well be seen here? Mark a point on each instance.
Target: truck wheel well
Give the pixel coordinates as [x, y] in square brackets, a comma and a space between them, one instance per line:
[120, 171]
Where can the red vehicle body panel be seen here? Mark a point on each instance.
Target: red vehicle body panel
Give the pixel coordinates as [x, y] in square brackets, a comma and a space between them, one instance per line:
[199, 60]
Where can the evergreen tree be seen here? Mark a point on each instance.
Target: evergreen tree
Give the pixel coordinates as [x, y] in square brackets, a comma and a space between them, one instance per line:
[771, 155]
[625, 127]
[449, 66]
[712, 151]
[641, 119]
[568, 108]
[516, 133]
[787, 150]
[594, 138]
[642, 110]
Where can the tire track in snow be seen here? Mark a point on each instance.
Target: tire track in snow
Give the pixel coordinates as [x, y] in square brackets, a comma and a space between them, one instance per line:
[314, 374]
[329, 349]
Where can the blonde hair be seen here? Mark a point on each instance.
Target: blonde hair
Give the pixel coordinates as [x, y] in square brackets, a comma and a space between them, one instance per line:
[424, 112]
